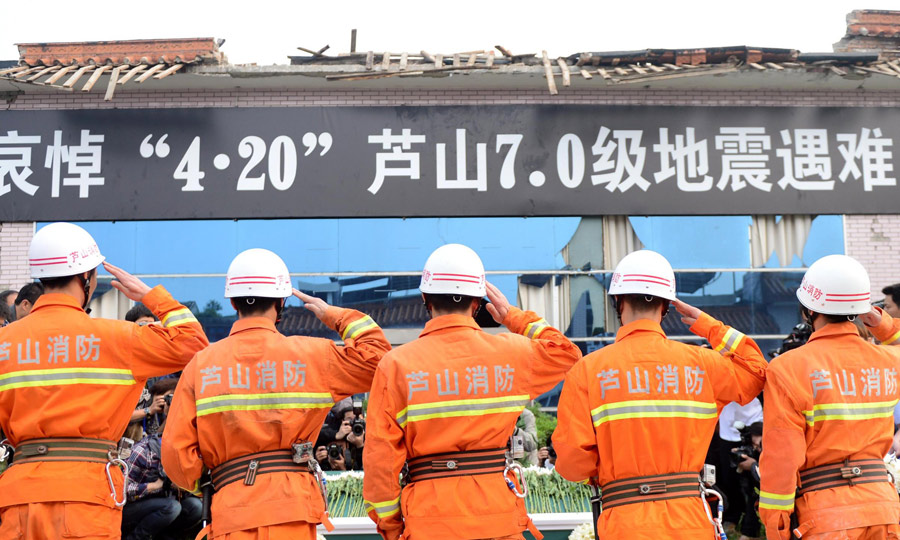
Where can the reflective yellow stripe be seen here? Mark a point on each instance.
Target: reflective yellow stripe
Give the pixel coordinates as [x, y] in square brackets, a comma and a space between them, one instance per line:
[776, 501]
[850, 411]
[384, 509]
[177, 317]
[64, 376]
[730, 340]
[891, 339]
[533, 330]
[462, 407]
[699, 410]
[357, 327]
[257, 402]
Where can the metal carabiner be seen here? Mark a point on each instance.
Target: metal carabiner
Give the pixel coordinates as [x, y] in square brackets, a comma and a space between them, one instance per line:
[718, 527]
[519, 474]
[112, 487]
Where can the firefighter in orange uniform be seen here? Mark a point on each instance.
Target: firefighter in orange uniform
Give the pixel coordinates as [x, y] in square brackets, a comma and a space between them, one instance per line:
[828, 416]
[68, 385]
[443, 408]
[638, 415]
[249, 408]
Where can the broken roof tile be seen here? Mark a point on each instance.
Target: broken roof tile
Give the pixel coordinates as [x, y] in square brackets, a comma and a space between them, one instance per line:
[146, 51]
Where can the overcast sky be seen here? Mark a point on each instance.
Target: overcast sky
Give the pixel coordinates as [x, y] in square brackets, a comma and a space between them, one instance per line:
[266, 31]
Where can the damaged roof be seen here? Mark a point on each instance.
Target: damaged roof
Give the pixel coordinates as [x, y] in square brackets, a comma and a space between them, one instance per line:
[866, 58]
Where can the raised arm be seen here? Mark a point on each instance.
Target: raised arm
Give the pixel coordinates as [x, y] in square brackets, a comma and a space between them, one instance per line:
[742, 375]
[352, 366]
[552, 352]
[159, 349]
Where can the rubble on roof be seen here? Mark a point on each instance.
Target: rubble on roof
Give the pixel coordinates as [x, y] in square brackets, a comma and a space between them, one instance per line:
[62, 65]
[872, 30]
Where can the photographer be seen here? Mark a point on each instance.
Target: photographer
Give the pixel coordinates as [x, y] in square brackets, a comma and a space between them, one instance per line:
[745, 460]
[547, 456]
[156, 509]
[343, 437]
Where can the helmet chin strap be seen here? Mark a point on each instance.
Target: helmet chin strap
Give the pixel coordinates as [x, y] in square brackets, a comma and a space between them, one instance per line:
[86, 283]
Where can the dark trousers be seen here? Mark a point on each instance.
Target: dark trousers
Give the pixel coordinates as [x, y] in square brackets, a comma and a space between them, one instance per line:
[750, 525]
[727, 480]
[161, 518]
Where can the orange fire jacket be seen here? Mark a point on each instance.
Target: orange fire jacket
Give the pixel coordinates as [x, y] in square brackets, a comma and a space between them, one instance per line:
[64, 374]
[456, 388]
[831, 399]
[646, 405]
[258, 391]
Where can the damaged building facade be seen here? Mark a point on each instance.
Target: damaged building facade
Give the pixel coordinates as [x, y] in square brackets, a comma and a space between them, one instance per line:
[742, 165]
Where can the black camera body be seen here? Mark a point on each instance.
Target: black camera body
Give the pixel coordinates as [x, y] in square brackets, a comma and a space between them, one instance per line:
[168, 398]
[335, 451]
[550, 450]
[746, 448]
[358, 426]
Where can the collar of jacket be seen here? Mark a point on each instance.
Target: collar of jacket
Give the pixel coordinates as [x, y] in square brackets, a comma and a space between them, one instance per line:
[835, 329]
[252, 323]
[56, 299]
[449, 321]
[640, 325]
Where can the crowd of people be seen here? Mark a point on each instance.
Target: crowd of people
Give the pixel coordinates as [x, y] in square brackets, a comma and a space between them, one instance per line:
[252, 421]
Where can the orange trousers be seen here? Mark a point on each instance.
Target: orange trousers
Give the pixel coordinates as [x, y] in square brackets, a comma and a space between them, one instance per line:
[55, 520]
[284, 531]
[875, 532]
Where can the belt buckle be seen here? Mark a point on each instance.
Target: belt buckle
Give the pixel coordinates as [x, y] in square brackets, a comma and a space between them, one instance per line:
[651, 489]
[250, 477]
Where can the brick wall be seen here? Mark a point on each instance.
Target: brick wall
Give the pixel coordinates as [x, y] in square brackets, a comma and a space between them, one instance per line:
[14, 240]
[318, 98]
[867, 237]
[873, 241]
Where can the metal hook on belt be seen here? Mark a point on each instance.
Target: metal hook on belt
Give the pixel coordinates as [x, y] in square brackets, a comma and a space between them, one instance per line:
[517, 473]
[320, 479]
[112, 486]
[720, 508]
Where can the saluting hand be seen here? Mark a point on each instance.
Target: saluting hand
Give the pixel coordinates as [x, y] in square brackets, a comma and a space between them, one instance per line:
[499, 305]
[312, 303]
[132, 287]
[872, 318]
[689, 314]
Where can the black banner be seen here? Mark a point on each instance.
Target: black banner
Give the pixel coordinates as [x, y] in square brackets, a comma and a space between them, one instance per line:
[445, 161]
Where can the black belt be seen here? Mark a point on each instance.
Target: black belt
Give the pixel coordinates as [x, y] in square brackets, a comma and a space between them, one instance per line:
[247, 467]
[649, 488]
[451, 464]
[65, 449]
[847, 473]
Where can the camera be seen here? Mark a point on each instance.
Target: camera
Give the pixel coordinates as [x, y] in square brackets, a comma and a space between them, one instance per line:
[168, 398]
[358, 426]
[799, 336]
[551, 451]
[746, 448]
[335, 451]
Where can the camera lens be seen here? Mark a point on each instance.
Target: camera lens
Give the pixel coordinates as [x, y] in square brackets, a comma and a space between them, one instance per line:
[334, 451]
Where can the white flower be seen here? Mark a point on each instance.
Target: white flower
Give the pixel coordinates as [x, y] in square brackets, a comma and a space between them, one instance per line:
[585, 531]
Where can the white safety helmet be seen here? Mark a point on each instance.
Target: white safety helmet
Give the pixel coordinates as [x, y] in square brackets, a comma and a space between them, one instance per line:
[257, 272]
[62, 249]
[644, 272]
[453, 269]
[836, 285]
